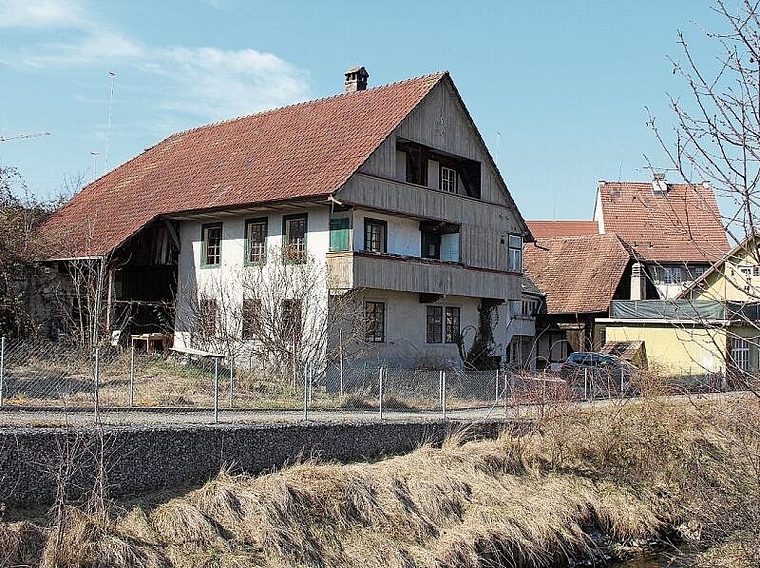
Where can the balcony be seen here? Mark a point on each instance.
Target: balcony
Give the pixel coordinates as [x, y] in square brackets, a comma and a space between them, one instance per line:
[352, 270]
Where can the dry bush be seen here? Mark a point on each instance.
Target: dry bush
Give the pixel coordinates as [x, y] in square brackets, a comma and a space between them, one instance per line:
[631, 471]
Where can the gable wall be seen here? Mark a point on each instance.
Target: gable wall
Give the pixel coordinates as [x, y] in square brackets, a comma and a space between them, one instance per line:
[440, 122]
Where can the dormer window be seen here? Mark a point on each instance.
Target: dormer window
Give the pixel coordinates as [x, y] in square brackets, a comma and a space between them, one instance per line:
[448, 179]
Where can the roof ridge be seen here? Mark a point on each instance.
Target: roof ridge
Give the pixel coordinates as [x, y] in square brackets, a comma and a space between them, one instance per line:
[438, 74]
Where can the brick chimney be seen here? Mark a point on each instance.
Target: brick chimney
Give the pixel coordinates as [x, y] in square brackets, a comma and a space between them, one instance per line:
[356, 79]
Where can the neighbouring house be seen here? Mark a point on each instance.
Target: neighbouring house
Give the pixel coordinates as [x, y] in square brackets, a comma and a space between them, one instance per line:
[711, 327]
[251, 235]
[675, 229]
[521, 351]
[580, 277]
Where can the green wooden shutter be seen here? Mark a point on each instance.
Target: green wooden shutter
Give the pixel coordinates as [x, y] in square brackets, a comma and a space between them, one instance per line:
[339, 234]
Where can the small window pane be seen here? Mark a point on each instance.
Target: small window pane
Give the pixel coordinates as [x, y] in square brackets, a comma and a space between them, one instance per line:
[374, 313]
[291, 320]
[514, 260]
[251, 318]
[452, 325]
[212, 245]
[295, 239]
[434, 324]
[257, 240]
[374, 235]
[448, 179]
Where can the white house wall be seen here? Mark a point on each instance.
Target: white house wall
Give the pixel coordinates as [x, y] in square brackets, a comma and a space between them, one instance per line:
[194, 279]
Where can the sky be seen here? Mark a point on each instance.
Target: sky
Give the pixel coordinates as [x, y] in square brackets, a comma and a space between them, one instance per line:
[558, 89]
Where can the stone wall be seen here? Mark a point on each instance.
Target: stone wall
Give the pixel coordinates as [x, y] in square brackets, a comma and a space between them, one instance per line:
[142, 459]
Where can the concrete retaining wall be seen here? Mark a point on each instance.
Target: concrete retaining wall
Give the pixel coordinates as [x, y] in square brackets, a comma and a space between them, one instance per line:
[140, 459]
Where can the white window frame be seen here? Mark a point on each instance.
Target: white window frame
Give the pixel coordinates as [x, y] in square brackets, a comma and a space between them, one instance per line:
[448, 180]
[740, 353]
[514, 253]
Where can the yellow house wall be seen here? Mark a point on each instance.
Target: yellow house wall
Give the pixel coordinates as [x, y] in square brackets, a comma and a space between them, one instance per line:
[676, 350]
[728, 283]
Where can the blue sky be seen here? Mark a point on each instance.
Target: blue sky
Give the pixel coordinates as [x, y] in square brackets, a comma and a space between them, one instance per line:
[557, 89]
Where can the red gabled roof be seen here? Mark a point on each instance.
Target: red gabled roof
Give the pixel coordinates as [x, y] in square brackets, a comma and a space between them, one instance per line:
[300, 151]
[682, 225]
[577, 274]
[548, 229]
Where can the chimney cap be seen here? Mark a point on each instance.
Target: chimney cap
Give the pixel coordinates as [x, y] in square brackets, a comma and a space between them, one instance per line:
[358, 69]
[356, 79]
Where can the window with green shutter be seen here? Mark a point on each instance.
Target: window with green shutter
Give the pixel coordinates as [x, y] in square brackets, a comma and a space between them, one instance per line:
[339, 234]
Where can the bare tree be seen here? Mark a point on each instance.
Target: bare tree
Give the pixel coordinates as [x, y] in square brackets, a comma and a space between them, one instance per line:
[716, 137]
[279, 313]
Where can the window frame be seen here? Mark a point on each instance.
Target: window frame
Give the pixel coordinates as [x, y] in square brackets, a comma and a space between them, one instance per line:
[447, 168]
[511, 265]
[290, 332]
[208, 311]
[443, 333]
[205, 228]
[437, 238]
[247, 261]
[250, 327]
[371, 334]
[370, 222]
[437, 321]
[451, 336]
[301, 257]
[740, 353]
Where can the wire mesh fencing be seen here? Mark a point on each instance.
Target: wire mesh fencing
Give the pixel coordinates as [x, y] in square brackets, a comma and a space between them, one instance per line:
[44, 382]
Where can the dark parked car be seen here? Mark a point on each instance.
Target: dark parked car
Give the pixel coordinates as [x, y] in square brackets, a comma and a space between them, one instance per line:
[599, 374]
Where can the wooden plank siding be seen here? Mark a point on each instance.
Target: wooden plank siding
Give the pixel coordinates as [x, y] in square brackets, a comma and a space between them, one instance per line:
[441, 121]
[483, 225]
[350, 270]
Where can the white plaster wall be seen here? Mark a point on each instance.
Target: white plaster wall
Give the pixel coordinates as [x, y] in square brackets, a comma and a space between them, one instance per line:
[403, 233]
[192, 279]
[405, 330]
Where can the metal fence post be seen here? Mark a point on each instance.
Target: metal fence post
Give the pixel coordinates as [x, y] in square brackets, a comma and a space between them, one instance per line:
[622, 374]
[381, 392]
[232, 379]
[496, 400]
[440, 387]
[305, 397]
[506, 394]
[340, 358]
[216, 390]
[97, 385]
[585, 385]
[2, 369]
[132, 375]
[443, 395]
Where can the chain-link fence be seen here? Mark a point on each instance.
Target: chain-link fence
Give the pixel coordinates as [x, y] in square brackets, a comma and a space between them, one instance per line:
[49, 383]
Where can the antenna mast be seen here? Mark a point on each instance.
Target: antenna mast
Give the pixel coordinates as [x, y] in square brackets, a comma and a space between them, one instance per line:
[110, 113]
[21, 136]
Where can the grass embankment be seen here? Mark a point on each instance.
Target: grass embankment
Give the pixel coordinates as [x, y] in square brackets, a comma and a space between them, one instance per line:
[627, 472]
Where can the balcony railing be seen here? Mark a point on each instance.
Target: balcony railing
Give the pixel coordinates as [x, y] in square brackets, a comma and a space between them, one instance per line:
[352, 270]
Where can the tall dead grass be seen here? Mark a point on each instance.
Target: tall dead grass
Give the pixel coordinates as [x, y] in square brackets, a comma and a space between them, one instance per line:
[633, 471]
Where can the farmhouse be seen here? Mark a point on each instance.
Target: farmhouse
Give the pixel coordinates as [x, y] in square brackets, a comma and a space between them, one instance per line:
[256, 232]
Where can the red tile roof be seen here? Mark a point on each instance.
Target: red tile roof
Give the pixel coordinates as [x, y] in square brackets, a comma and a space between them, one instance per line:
[577, 274]
[301, 151]
[683, 225]
[544, 229]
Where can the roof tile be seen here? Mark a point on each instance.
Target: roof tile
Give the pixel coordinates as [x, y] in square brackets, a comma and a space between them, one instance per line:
[300, 151]
[683, 225]
[577, 274]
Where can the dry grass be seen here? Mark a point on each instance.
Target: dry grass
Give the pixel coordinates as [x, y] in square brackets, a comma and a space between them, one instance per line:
[628, 471]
